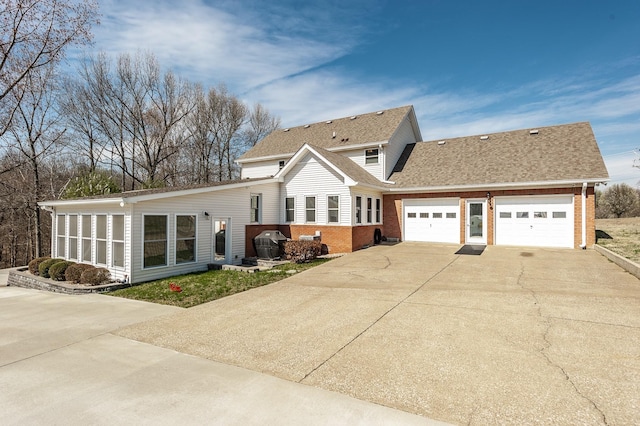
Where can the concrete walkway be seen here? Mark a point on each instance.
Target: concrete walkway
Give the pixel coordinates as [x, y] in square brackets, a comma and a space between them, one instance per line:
[514, 336]
[61, 364]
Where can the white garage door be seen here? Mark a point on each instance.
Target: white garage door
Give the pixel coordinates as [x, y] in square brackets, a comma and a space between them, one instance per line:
[532, 221]
[435, 220]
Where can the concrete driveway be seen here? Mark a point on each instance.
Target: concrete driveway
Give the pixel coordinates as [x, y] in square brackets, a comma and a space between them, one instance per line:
[514, 336]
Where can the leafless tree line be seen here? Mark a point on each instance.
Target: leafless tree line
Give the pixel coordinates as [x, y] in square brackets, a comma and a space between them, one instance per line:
[127, 116]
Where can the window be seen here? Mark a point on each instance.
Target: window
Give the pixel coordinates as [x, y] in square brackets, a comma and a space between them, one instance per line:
[369, 209]
[540, 215]
[185, 239]
[505, 215]
[437, 216]
[411, 215]
[117, 241]
[289, 209]
[255, 208]
[378, 210]
[155, 241]
[86, 238]
[522, 215]
[101, 239]
[358, 209]
[371, 156]
[280, 164]
[61, 235]
[559, 215]
[424, 215]
[73, 236]
[333, 208]
[451, 215]
[310, 208]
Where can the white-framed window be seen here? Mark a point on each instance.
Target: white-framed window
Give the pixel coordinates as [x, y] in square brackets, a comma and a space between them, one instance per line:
[333, 208]
[255, 208]
[358, 209]
[101, 239]
[154, 241]
[61, 233]
[369, 209]
[378, 210]
[86, 238]
[73, 237]
[117, 241]
[371, 156]
[186, 238]
[289, 209]
[310, 208]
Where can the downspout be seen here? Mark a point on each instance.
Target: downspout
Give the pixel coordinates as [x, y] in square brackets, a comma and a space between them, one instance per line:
[584, 216]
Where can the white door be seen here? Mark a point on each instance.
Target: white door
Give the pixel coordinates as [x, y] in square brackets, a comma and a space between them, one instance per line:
[221, 240]
[534, 221]
[476, 222]
[432, 220]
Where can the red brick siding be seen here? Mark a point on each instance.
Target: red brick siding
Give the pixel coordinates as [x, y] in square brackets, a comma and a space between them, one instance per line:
[363, 236]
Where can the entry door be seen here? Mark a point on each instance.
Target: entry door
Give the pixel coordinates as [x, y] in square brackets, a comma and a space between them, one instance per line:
[221, 241]
[476, 222]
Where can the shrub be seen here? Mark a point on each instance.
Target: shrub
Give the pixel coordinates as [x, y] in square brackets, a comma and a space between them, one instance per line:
[74, 271]
[57, 270]
[43, 268]
[302, 251]
[35, 263]
[95, 276]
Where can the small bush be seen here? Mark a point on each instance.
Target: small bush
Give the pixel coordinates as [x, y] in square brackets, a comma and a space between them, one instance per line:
[74, 271]
[95, 276]
[35, 263]
[43, 268]
[57, 270]
[302, 251]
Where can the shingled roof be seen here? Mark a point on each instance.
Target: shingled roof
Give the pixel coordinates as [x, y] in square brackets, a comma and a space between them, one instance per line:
[557, 153]
[372, 127]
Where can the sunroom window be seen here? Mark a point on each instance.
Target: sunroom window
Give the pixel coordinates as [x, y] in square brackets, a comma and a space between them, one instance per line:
[155, 241]
[117, 241]
[61, 235]
[185, 239]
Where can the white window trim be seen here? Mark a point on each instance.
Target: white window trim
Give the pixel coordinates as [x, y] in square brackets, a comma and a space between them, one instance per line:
[259, 218]
[90, 238]
[368, 157]
[175, 239]
[355, 209]
[315, 209]
[285, 210]
[112, 240]
[378, 208]
[95, 239]
[370, 216]
[337, 208]
[64, 236]
[167, 254]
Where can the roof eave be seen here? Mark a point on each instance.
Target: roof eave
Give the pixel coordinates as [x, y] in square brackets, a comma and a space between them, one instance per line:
[498, 186]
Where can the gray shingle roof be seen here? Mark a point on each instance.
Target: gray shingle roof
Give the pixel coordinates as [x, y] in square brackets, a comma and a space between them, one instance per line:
[365, 128]
[349, 167]
[555, 153]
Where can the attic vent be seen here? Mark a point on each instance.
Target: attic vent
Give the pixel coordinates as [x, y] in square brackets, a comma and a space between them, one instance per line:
[484, 138]
[334, 135]
[328, 121]
[442, 142]
[533, 132]
[380, 112]
[285, 130]
[353, 117]
[306, 126]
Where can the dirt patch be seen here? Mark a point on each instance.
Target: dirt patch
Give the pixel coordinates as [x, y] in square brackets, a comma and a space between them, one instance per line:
[621, 236]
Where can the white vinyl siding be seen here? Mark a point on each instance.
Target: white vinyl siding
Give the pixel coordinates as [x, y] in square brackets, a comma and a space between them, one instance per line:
[359, 157]
[310, 177]
[404, 135]
[261, 169]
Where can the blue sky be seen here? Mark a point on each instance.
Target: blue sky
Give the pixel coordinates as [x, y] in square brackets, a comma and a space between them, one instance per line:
[468, 67]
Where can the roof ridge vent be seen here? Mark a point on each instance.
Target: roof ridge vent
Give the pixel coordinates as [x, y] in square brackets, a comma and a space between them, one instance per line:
[380, 112]
[533, 132]
[484, 137]
[442, 142]
[328, 121]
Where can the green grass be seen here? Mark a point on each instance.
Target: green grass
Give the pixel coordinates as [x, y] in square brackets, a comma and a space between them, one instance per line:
[202, 287]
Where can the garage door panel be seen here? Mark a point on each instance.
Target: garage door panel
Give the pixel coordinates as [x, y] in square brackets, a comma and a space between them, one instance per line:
[432, 220]
[532, 221]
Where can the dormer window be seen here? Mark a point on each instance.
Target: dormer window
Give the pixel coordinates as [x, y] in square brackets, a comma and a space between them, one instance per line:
[371, 156]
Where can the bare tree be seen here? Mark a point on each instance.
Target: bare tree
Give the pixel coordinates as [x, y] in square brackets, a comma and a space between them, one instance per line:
[34, 34]
[620, 200]
[260, 124]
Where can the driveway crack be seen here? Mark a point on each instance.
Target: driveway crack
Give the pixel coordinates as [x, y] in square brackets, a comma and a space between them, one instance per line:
[420, 287]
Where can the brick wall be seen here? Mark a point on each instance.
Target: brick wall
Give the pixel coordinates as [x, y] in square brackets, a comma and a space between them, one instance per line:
[392, 205]
[363, 236]
[338, 239]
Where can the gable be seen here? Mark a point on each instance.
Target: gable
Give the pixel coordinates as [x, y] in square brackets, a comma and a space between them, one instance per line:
[557, 153]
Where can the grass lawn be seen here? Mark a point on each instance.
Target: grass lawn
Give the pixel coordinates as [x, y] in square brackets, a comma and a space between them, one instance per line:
[621, 236]
[202, 287]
